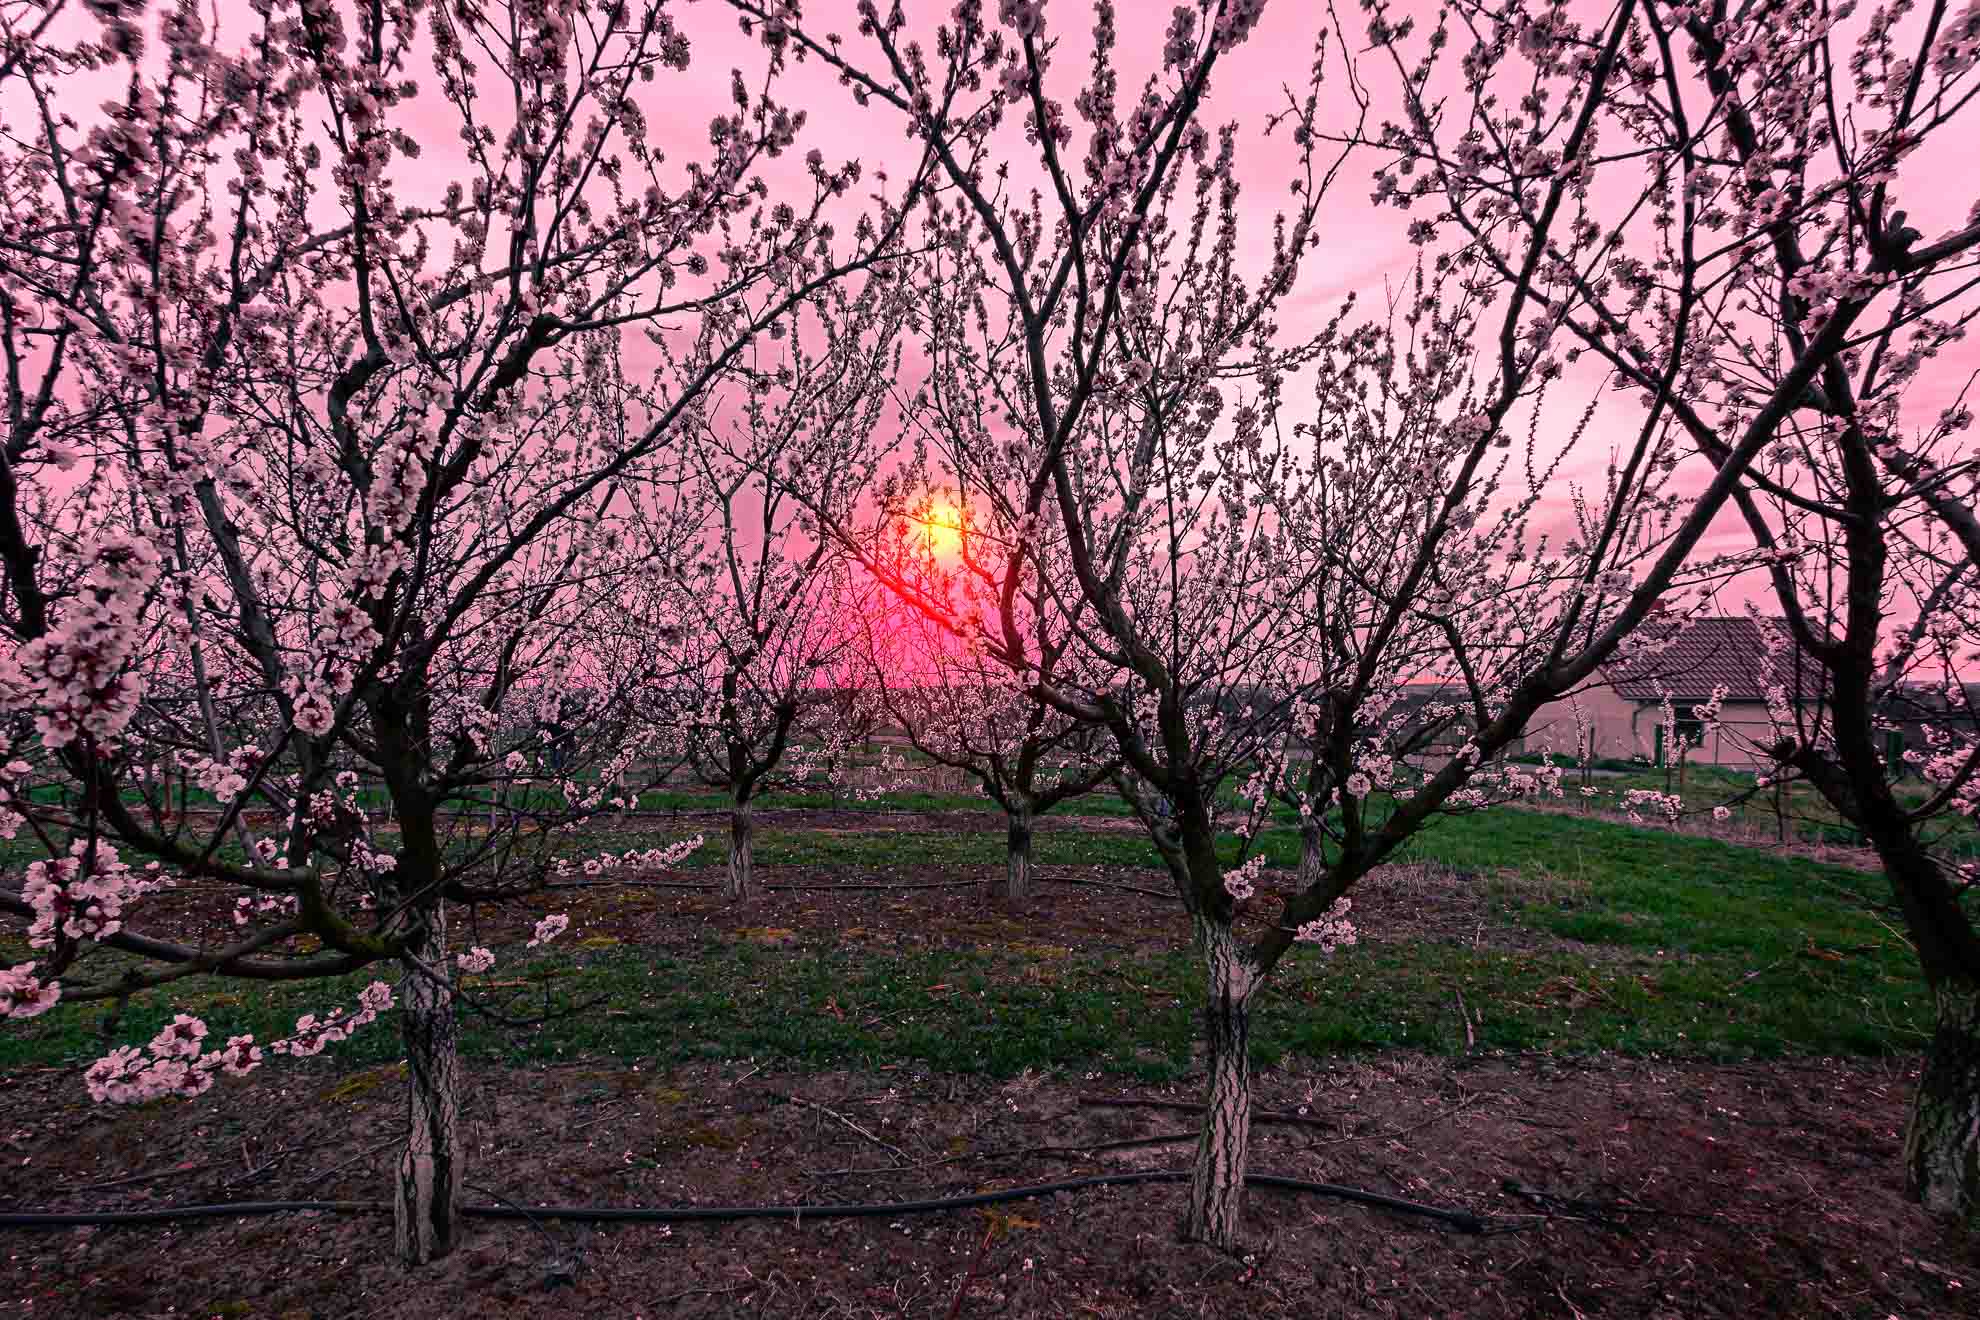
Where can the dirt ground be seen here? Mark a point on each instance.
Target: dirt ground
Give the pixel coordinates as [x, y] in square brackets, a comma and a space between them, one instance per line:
[1084, 908]
[1614, 1189]
[1669, 1191]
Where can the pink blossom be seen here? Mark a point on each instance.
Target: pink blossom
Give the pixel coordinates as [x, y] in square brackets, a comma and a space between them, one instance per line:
[549, 929]
[23, 995]
[1331, 930]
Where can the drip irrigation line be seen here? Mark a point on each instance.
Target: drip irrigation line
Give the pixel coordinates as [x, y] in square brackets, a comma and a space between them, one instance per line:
[819, 888]
[1462, 1220]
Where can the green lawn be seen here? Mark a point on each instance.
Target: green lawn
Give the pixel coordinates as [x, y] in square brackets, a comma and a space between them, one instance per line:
[1643, 941]
[1798, 815]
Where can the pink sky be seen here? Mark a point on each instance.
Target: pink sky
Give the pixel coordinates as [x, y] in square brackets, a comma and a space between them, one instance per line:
[1362, 245]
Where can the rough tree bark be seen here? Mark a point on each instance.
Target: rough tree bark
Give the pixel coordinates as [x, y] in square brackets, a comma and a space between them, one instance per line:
[427, 1193]
[1216, 1184]
[1942, 1140]
[739, 880]
[1017, 855]
[1942, 1143]
[1312, 854]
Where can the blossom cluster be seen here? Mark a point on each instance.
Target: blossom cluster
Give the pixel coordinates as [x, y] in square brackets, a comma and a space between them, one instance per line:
[1330, 930]
[312, 1033]
[76, 678]
[635, 859]
[81, 896]
[175, 1062]
[475, 960]
[25, 995]
[1241, 881]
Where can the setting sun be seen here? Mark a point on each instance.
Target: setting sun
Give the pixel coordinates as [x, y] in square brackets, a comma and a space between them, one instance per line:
[941, 529]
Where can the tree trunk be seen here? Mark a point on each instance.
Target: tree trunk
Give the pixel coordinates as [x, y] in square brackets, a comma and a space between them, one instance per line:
[1216, 1185]
[1017, 857]
[742, 859]
[1942, 1144]
[1312, 853]
[426, 1197]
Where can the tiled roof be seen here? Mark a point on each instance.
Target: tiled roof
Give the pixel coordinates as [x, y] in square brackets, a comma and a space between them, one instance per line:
[1687, 662]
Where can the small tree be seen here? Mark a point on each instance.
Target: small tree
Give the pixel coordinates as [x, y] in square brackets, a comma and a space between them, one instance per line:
[962, 707]
[769, 601]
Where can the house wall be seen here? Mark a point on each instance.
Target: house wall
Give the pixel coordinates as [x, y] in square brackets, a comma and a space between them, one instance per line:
[1624, 729]
[1744, 729]
[1599, 713]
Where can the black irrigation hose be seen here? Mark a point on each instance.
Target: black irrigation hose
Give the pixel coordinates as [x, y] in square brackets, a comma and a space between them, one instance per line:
[1462, 1220]
[826, 886]
[823, 886]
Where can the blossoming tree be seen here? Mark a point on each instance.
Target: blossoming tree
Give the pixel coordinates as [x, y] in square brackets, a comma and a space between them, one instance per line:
[316, 487]
[1203, 537]
[961, 705]
[1737, 250]
[770, 606]
[1060, 322]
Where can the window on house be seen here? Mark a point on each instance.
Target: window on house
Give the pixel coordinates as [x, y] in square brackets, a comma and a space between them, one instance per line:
[1691, 733]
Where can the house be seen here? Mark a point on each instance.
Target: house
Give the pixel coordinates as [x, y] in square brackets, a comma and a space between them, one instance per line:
[1620, 714]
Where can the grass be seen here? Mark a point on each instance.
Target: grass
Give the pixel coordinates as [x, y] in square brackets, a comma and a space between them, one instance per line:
[1654, 943]
[1637, 888]
[1809, 818]
[998, 1013]
[1654, 889]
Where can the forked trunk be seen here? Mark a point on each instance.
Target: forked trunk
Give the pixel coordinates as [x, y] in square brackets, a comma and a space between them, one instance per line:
[1017, 857]
[742, 842]
[1942, 1145]
[426, 1197]
[1216, 1184]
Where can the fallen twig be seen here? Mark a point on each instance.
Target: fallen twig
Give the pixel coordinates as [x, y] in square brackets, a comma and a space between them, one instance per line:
[1570, 1207]
[257, 1170]
[361, 1155]
[1392, 1134]
[887, 1146]
[615, 1111]
[709, 1292]
[134, 1179]
[1107, 884]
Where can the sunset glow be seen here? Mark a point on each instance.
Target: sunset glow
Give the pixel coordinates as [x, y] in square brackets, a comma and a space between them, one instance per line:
[941, 530]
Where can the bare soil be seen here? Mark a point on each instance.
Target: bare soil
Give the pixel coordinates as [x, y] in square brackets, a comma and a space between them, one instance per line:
[1072, 908]
[1614, 1188]
[1758, 1190]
